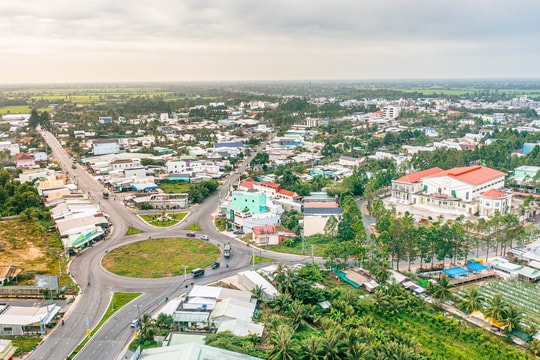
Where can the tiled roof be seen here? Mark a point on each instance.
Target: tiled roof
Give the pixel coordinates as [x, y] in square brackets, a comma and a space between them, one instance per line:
[270, 184]
[493, 193]
[415, 177]
[265, 229]
[474, 175]
[23, 156]
[247, 183]
[286, 192]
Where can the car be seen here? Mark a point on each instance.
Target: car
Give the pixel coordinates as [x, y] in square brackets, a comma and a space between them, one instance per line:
[134, 324]
[238, 232]
[205, 237]
[215, 265]
[190, 234]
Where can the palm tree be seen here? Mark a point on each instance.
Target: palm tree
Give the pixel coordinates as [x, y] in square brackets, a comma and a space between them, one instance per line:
[310, 349]
[285, 347]
[471, 300]
[441, 290]
[380, 299]
[258, 293]
[296, 313]
[496, 307]
[333, 346]
[512, 317]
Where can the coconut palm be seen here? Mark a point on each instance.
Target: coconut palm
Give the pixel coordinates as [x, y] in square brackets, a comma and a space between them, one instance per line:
[258, 293]
[333, 344]
[441, 290]
[471, 300]
[311, 349]
[496, 307]
[284, 346]
[512, 317]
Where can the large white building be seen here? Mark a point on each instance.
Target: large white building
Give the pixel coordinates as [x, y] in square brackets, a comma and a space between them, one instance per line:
[465, 190]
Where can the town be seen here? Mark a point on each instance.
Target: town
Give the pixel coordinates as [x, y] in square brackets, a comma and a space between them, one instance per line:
[270, 222]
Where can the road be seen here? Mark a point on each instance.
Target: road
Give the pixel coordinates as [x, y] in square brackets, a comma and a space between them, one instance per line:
[97, 284]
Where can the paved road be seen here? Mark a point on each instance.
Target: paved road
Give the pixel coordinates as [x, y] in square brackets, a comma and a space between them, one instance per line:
[97, 285]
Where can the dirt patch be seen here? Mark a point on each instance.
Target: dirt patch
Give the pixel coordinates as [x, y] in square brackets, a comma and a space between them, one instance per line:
[21, 246]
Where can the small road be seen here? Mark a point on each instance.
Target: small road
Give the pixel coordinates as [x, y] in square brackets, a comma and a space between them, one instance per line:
[97, 285]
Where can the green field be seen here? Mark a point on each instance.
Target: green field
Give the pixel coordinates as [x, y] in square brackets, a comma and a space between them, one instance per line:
[160, 258]
[174, 188]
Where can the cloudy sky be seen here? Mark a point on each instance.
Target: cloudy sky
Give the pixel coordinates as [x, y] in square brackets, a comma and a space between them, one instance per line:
[190, 40]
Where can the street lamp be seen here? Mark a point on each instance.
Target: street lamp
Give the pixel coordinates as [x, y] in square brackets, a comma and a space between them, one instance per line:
[185, 268]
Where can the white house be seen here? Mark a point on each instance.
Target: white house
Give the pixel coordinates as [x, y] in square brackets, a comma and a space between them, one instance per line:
[103, 147]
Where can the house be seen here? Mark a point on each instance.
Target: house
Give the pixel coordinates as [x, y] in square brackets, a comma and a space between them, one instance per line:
[462, 190]
[21, 320]
[24, 161]
[40, 157]
[7, 351]
[270, 235]
[192, 351]
[267, 187]
[106, 146]
[121, 164]
[315, 219]
[232, 309]
[493, 200]
[178, 166]
[255, 202]
[250, 279]
[8, 273]
[525, 173]
[349, 161]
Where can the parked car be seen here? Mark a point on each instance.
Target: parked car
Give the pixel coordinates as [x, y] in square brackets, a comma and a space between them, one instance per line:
[134, 324]
[238, 232]
[215, 265]
[205, 237]
[190, 234]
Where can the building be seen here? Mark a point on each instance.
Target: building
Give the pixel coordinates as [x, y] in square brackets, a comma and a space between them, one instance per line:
[122, 164]
[7, 351]
[492, 201]
[178, 166]
[404, 187]
[254, 202]
[463, 190]
[191, 351]
[270, 235]
[523, 173]
[24, 161]
[391, 112]
[104, 147]
[349, 161]
[315, 219]
[21, 320]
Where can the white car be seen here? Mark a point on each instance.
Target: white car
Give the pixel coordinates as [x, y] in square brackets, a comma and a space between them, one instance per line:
[205, 237]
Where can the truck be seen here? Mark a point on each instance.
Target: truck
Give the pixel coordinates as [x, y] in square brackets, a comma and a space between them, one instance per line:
[105, 194]
[227, 251]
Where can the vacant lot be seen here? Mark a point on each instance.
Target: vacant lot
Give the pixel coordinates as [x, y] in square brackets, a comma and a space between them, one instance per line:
[160, 258]
[28, 246]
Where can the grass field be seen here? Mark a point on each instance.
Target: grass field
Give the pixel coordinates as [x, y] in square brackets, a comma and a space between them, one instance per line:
[318, 250]
[174, 188]
[159, 221]
[194, 227]
[29, 247]
[160, 258]
[133, 231]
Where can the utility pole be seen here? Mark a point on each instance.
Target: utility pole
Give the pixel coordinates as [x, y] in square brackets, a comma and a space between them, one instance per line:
[312, 254]
[302, 234]
[139, 313]
[253, 254]
[185, 275]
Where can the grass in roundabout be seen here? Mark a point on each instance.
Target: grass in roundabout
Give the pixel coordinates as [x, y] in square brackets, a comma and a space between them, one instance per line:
[163, 220]
[194, 227]
[160, 257]
[133, 231]
[119, 299]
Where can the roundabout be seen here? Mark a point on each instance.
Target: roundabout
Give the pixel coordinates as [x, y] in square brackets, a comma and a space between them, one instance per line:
[160, 258]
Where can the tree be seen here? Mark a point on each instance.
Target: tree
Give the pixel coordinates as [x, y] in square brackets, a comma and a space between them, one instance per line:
[512, 318]
[284, 346]
[345, 229]
[258, 293]
[471, 300]
[441, 289]
[331, 226]
[495, 307]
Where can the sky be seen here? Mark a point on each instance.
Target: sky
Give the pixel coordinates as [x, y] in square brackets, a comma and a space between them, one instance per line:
[43, 41]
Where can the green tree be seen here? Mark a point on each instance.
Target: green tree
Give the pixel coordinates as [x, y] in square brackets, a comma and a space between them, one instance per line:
[471, 300]
[284, 346]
